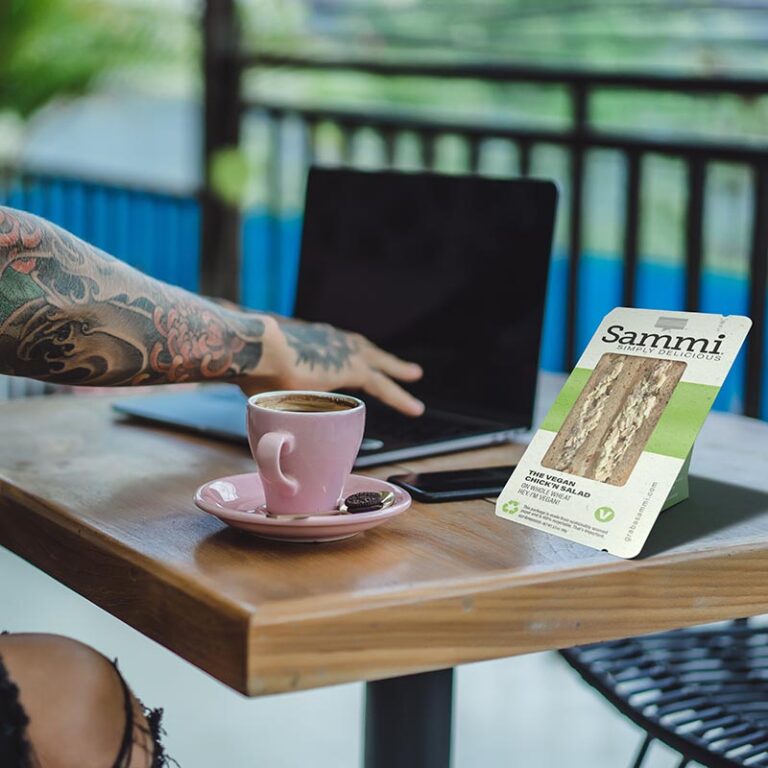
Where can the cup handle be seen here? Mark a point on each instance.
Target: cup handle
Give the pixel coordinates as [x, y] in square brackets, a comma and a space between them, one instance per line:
[267, 455]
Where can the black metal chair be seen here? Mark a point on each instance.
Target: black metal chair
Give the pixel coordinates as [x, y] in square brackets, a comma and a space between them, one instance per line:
[701, 691]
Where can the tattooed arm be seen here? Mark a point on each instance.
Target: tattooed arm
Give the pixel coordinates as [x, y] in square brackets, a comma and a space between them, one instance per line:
[70, 313]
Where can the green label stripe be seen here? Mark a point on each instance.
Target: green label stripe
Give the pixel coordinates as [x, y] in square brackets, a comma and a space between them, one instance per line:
[566, 399]
[682, 419]
[677, 428]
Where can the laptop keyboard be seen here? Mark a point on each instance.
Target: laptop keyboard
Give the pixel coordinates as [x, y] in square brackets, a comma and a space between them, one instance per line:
[390, 426]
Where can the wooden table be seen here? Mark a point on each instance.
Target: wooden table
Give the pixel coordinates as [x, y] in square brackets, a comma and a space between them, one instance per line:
[105, 506]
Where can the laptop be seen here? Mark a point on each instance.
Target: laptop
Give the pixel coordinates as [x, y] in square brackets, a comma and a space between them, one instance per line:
[447, 271]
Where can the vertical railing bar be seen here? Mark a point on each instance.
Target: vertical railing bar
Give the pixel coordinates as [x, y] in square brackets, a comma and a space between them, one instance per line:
[192, 279]
[112, 216]
[758, 284]
[694, 233]
[309, 129]
[46, 199]
[92, 220]
[389, 138]
[155, 225]
[524, 157]
[579, 96]
[177, 252]
[165, 265]
[121, 250]
[148, 229]
[79, 210]
[24, 183]
[347, 144]
[105, 204]
[474, 145]
[274, 208]
[220, 224]
[164, 253]
[632, 227]
[428, 139]
[160, 234]
[5, 181]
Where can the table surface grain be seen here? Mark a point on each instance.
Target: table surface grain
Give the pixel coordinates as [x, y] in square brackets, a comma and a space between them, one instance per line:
[104, 505]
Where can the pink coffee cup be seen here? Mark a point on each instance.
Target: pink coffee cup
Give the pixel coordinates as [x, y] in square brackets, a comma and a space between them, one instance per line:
[304, 445]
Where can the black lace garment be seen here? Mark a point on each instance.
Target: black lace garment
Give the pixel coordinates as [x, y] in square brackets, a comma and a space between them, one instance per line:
[14, 749]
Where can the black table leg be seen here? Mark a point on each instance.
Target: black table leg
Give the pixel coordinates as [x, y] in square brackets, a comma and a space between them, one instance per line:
[408, 721]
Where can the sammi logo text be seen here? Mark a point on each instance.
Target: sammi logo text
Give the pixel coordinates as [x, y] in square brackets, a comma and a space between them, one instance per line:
[620, 335]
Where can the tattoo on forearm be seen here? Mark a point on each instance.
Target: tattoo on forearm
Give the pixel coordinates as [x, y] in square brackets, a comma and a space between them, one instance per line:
[72, 314]
[319, 345]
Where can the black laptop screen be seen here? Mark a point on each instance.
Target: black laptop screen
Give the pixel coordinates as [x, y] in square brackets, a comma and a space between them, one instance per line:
[448, 271]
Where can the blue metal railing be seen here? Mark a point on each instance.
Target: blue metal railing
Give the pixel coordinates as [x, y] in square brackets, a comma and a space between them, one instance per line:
[158, 232]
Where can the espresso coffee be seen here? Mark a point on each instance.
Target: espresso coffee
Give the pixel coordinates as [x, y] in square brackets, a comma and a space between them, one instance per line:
[298, 403]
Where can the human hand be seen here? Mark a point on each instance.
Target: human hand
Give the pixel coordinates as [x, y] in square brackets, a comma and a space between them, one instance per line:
[301, 355]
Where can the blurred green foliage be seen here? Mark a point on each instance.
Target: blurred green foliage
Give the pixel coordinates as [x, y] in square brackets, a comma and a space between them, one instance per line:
[687, 36]
[691, 35]
[51, 48]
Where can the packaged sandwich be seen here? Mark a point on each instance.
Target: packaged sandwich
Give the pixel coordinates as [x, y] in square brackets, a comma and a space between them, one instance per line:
[614, 449]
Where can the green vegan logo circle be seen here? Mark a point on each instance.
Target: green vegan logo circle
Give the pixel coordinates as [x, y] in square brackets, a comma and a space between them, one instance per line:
[510, 507]
[604, 514]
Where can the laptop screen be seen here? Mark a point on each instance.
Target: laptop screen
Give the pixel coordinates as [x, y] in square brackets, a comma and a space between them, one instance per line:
[447, 271]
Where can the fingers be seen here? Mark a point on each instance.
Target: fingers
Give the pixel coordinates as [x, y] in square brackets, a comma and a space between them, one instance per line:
[391, 365]
[384, 389]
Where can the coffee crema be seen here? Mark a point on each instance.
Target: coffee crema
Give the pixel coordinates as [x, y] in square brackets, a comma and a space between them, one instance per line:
[300, 403]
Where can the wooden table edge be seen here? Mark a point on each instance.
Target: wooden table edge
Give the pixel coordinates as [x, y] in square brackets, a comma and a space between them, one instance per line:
[427, 632]
[203, 627]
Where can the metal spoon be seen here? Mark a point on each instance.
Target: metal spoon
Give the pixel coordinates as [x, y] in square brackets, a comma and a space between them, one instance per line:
[363, 501]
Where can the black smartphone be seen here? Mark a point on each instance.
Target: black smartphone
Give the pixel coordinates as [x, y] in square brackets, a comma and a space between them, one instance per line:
[454, 484]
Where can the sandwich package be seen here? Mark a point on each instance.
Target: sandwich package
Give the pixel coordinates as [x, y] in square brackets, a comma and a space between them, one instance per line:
[614, 449]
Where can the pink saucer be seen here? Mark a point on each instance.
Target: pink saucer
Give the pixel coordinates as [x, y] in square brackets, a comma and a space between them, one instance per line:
[238, 500]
